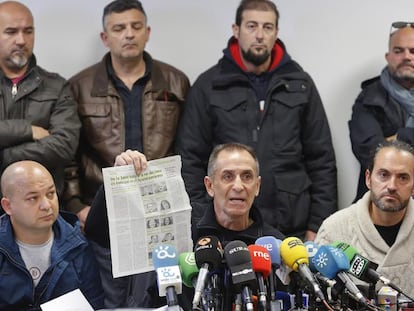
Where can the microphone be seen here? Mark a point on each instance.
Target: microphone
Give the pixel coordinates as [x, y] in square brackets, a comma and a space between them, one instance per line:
[272, 245]
[189, 269]
[362, 268]
[329, 261]
[295, 256]
[262, 266]
[332, 262]
[312, 249]
[208, 256]
[165, 260]
[239, 262]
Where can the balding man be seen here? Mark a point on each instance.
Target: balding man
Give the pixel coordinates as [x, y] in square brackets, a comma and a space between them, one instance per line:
[38, 115]
[42, 255]
[384, 110]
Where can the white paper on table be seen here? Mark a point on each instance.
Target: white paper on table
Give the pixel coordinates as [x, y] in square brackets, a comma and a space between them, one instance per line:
[72, 301]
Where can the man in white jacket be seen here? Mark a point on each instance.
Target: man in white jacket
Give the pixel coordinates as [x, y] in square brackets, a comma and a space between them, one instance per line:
[381, 224]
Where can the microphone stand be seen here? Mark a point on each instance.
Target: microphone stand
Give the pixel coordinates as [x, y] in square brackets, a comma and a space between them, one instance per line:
[238, 303]
[371, 292]
[275, 305]
[343, 296]
[218, 282]
[228, 297]
[297, 290]
[214, 296]
[172, 299]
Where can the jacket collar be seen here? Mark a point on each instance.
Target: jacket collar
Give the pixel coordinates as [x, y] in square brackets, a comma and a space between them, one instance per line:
[31, 80]
[376, 93]
[279, 54]
[230, 73]
[66, 231]
[208, 223]
[32, 64]
[103, 86]
[371, 233]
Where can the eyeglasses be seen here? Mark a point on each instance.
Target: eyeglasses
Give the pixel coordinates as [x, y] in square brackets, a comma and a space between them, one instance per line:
[398, 25]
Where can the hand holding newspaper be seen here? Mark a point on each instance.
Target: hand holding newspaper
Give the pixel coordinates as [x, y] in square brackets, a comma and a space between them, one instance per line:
[144, 211]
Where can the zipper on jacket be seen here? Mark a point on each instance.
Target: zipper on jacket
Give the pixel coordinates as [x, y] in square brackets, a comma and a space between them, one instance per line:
[49, 281]
[260, 113]
[23, 268]
[14, 261]
[255, 134]
[261, 106]
[14, 82]
[14, 90]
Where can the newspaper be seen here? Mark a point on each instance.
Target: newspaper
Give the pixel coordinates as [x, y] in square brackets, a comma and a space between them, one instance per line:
[145, 211]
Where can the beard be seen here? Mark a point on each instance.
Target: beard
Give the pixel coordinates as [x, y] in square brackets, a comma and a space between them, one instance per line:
[18, 60]
[390, 207]
[403, 74]
[255, 59]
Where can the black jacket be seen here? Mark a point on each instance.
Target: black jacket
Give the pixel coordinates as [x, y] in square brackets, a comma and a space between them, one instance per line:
[208, 226]
[291, 139]
[43, 99]
[375, 116]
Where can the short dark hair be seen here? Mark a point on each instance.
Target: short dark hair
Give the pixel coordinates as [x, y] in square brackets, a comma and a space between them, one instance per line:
[211, 168]
[260, 5]
[119, 6]
[396, 144]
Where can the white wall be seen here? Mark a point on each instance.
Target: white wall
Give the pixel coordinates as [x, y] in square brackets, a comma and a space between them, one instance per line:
[340, 43]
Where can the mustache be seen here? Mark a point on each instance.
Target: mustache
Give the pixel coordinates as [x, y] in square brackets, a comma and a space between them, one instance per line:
[390, 193]
[406, 63]
[129, 42]
[261, 44]
[19, 50]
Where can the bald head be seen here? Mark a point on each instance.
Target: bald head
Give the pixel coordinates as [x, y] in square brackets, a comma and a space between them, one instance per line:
[400, 56]
[13, 11]
[30, 200]
[16, 38]
[401, 34]
[13, 6]
[16, 176]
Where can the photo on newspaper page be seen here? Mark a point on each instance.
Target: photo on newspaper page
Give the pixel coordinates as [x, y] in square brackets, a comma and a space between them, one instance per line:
[145, 211]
